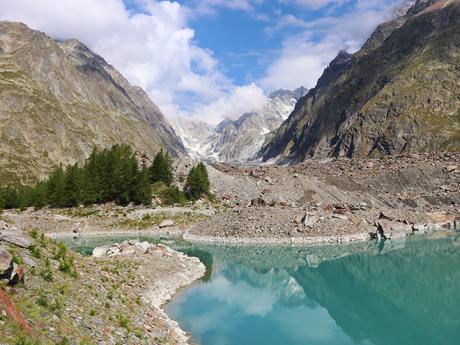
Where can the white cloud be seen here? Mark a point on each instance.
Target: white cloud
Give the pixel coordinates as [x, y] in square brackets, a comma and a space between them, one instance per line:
[240, 100]
[305, 55]
[154, 49]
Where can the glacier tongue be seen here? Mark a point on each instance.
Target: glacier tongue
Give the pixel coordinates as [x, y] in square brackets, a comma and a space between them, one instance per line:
[237, 141]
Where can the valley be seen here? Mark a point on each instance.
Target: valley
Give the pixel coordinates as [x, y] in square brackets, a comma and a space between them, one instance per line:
[328, 215]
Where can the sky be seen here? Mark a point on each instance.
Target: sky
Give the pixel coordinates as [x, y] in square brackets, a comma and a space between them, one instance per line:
[210, 59]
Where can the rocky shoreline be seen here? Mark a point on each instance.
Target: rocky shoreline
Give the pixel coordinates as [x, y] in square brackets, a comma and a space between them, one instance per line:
[160, 291]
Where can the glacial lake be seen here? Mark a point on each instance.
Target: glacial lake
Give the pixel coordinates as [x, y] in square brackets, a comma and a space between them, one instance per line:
[404, 292]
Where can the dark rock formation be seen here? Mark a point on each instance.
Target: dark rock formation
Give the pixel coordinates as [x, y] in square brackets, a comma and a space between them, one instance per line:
[398, 94]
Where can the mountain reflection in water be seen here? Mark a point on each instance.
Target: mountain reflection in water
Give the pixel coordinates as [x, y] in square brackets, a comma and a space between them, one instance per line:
[407, 293]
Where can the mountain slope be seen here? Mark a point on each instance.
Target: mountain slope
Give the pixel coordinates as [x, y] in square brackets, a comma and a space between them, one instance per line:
[58, 100]
[399, 94]
[238, 140]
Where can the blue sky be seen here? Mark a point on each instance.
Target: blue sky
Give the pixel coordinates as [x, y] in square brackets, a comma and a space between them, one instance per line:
[210, 59]
[243, 42]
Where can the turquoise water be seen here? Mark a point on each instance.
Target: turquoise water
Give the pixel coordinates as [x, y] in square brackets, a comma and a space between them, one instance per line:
[400, 293]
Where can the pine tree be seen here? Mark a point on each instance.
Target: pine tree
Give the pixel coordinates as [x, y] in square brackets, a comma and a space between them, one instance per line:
[198, 183]
[10, 198]
[142, 193]
[55, 188]
[161, 168]
[92, 189]
[2, 200]
[73, 183]
[39, 195]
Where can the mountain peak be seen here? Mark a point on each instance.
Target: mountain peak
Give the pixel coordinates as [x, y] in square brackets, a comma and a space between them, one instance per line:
[74, 101]
[295, 94]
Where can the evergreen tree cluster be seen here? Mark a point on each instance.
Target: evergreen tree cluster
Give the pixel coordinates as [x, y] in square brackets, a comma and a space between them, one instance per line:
[109, 175]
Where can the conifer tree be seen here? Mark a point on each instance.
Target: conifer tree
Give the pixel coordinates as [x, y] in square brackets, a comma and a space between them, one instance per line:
[2, 200]
[197, 182]
[143, 190]
[39, 195]
[55, 188]
[92, 184]
[73, 183]
[161, 168]
[10, 197]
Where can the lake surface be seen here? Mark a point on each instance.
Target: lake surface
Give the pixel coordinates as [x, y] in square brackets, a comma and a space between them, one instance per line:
[398, 293]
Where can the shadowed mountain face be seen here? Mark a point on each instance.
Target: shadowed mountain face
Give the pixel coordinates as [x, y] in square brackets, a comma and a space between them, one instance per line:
[398, 94]
[58, 100]
[402, 292]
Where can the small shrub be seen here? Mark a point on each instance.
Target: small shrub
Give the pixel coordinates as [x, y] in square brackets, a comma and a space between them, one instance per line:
[16, 258]
[123, 321]
[60, 252]
[42, 299]
[35, 251]
[47, 272]
[64, 341]
[172, 196]
[34, 233]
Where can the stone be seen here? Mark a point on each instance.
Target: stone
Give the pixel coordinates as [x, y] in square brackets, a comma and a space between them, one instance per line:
[166, 223]
[16, 238]
[16, 275]
[339, 216]
[258, 202]
[5, 260]
[100, 251]
[384, 216]
[309, 219]
[450, 168]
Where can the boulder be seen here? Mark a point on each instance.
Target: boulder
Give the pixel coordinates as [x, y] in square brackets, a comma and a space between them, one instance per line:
[166, 223]
[16, 238]
[309, 219]
[16, 275]
[450, 168]
[339, 216]
[6, 260]
[125, 248]
[258, 202]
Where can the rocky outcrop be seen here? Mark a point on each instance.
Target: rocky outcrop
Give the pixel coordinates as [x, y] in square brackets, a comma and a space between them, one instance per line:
[398, 94]
[59, 99]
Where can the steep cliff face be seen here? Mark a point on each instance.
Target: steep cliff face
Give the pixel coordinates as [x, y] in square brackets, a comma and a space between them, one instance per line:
[398, 94]
[58, 100]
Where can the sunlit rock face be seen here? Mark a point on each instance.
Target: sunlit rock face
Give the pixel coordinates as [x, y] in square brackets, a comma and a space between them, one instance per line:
[58, 100]
[398, 94]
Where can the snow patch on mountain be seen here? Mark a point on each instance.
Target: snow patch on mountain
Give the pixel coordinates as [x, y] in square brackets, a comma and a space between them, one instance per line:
[237, 141]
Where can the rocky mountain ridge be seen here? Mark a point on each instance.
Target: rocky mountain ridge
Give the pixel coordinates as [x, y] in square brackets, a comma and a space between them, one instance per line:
[239, 140]
[58, 100]
[398, 94]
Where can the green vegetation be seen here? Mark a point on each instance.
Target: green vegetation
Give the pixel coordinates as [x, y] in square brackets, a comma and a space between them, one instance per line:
[109, 175]
[161, 169]
[197, 182]
[149, 220]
